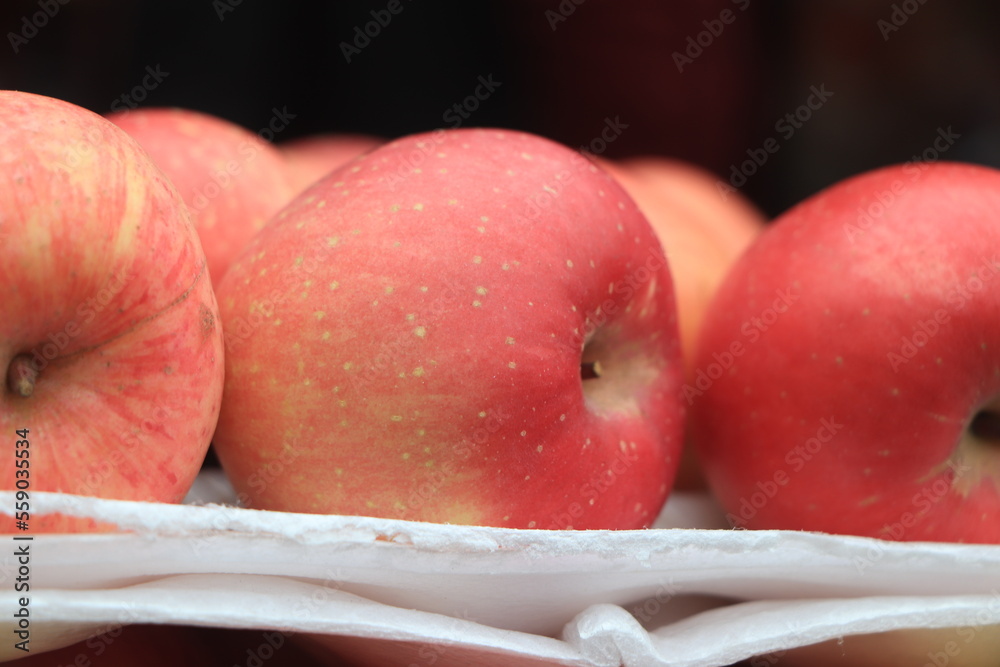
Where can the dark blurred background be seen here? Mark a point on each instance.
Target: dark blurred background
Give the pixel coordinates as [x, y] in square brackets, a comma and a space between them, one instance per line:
[707, 81]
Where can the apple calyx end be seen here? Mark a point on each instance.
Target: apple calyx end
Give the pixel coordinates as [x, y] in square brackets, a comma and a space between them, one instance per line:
[22, 376]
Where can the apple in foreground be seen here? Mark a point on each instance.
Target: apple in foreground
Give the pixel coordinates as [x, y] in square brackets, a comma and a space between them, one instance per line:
[849, 366]
[313, 157]
[231, 179]
[465, 326]
[110, 342]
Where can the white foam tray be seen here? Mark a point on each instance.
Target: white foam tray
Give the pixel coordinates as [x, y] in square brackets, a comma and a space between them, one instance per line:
[374, 589]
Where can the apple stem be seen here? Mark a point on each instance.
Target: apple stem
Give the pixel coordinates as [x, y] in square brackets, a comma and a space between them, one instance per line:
[590, 370]
[22, 375]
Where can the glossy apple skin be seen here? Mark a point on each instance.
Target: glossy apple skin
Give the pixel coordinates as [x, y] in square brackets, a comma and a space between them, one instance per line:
[827, 420]
[405, 340]
[311, 158]
[231, 179]
[106, 289]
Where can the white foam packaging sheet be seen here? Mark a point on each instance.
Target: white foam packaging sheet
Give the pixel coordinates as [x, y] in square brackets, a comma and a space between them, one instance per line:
[688, 592]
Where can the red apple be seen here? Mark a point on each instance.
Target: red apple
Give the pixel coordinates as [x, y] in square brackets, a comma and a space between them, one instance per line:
[849, 367]
[703, 236]
[110, 344]
[311, 158]
[417, 336]
[230, 178]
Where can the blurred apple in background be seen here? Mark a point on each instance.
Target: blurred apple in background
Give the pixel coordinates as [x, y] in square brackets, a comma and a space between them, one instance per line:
[702, 233]
[231, 179]
[465, 326]
[110, 342]
[311, 158]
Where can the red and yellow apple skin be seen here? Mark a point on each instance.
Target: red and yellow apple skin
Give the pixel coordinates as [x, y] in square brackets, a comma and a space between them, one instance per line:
[313, 157]
[408, 340]
[110, 340]
[847, 354]
[231, 179]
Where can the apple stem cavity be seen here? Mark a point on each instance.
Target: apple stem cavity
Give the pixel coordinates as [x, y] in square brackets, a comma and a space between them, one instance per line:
[22, 376]
[985, 427]
[590, 370]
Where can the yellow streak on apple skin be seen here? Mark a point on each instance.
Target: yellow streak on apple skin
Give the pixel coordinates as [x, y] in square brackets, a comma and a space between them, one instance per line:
[134, 200]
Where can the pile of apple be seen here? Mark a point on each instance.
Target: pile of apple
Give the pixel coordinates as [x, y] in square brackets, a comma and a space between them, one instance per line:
[482, 326]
